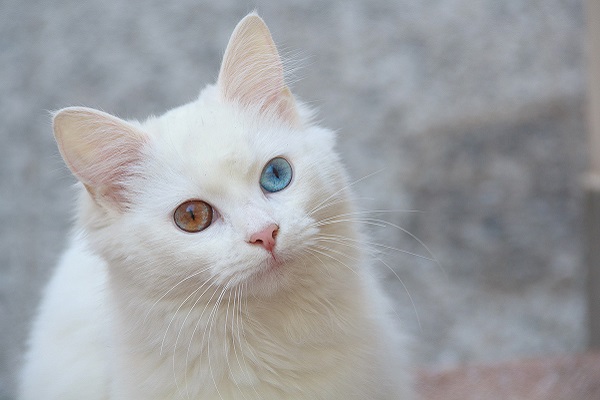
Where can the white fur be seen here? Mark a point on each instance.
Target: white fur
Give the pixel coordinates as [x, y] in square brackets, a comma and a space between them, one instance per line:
[139, 309]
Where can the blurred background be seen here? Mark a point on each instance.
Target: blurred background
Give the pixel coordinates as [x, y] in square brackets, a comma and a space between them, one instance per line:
[469, 113]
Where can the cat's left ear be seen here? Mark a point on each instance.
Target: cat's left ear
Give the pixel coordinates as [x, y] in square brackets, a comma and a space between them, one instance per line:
[252, 72]
[101, 150]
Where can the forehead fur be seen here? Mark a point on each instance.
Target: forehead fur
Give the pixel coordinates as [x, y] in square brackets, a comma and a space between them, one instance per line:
[207, 136]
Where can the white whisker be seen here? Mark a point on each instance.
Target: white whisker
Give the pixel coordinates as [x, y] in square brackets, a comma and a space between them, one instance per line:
[334, 259]
[356, 245]
[405, 289]
[210, 285]
[243, 334]
[171, 289]
[367, 212]
[211, 320]
[322, 203]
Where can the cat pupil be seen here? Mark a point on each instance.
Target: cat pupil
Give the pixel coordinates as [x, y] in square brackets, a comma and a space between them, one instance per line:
[190, 211]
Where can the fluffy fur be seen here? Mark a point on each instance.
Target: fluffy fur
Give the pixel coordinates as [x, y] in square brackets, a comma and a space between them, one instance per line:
[139, 309]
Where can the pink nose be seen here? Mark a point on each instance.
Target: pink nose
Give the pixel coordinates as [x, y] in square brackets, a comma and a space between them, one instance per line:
[265, 237]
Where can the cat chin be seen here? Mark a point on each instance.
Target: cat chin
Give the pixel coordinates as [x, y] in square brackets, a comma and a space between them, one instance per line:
[265, 279]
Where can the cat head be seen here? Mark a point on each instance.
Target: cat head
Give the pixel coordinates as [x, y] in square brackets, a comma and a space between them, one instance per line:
[230, 189]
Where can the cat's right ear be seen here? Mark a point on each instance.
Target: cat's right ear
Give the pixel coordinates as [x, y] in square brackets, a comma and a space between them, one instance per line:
[101, 150]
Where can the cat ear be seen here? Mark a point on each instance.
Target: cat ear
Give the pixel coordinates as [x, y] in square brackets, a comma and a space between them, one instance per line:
[100, 150]
[252, 71]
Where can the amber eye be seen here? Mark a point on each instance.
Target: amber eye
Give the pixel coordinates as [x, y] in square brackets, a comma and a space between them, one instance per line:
[193, 216]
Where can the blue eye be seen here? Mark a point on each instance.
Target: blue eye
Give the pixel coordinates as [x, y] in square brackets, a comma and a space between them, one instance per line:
[276, 175]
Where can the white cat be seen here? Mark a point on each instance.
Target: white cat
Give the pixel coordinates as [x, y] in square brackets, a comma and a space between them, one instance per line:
[216, 256]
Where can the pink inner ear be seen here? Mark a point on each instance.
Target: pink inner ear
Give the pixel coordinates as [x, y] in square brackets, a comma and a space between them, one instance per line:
[252, 72]
[283, 104]
[100, 150]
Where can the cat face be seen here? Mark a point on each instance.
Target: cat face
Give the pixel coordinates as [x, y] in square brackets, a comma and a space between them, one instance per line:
[228, 190]
[218, 163]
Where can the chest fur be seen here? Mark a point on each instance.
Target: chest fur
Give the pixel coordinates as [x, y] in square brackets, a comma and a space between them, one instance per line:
[236, 349]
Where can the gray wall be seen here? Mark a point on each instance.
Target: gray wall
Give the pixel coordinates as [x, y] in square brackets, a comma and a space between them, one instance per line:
[472, 111]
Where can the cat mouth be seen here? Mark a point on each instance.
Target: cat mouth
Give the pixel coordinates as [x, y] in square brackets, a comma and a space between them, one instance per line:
[274, 262]
[271, 266]
[277, 261]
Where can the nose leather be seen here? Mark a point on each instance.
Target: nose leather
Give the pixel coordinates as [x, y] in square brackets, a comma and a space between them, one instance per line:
[265, 237]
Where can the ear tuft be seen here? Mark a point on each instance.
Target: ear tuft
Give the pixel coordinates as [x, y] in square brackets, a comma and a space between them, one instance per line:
[100, 150]
[252, 71]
